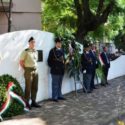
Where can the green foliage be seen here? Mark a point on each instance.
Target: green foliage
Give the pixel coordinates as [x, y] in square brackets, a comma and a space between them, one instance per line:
[115, 22]
[119, 40]
[15, 108]
[121, 3]
[60, 17]
[73, 68]
[2, 92]
[99, 72]
[110, 29]
[72, 59]
[94, 4]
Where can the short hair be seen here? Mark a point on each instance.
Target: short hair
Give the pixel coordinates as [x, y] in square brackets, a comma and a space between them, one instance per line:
[104, 47]
[91, 44]
[31, 38]
[58, 39]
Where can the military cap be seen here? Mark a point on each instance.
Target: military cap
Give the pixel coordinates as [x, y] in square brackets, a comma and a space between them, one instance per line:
[31, 38]
[58, 39]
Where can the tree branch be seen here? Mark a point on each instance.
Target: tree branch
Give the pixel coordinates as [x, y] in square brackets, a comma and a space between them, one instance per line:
[78, 8]
[86, 8]
[103, 18]
[100, 7]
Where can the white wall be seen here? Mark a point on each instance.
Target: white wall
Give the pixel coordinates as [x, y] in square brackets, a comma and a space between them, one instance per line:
[117, 68]
[11, 46]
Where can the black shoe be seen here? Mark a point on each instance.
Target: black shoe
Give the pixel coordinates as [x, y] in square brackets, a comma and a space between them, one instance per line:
[28, 106]
[55, 100]
[107, 83]
[61, 98]
[95, 88]
[36, 105]
[103, 85]
[89, 91]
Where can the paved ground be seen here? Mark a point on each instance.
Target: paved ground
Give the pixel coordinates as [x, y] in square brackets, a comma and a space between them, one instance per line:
[102, 107]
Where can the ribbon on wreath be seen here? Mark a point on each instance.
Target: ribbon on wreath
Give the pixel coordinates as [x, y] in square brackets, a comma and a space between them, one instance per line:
[12, 95]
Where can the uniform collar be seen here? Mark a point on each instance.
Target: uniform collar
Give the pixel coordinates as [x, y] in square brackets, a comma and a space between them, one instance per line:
[31, 49]
[86, 52]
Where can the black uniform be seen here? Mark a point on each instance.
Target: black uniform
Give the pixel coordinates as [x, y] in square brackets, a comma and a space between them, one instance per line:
[56, 63]
[86, 62]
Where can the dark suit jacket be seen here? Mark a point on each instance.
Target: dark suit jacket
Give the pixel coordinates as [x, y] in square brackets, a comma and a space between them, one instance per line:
[94, 59]
[86, 63]
[105, 59]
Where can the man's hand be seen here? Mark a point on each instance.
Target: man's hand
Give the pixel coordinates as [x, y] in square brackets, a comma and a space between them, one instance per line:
[84, 71]
[22, 63]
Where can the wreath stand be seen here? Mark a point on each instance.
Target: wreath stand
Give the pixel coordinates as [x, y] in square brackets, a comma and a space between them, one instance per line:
[78, 81]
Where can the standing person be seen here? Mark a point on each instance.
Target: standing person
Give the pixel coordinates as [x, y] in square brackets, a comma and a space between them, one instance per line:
[28, 61]
[94, 64]
[106, 65]
[86, 62]
[56, 63]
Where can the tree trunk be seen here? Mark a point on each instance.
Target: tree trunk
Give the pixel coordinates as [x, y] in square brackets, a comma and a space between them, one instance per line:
[88, 21]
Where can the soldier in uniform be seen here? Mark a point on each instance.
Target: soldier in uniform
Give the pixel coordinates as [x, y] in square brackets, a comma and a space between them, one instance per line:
[87, 65]
[28, 61]
[56, 63]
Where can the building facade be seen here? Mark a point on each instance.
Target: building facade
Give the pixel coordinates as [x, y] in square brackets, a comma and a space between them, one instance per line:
[25, 14]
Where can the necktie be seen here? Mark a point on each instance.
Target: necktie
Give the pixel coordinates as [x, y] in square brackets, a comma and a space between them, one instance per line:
[107, 58]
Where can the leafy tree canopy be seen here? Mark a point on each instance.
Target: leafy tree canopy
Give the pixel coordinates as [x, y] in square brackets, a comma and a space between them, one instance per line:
[84, 18]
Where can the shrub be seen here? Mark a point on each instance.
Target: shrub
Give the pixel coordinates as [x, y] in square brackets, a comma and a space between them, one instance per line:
[15, 107]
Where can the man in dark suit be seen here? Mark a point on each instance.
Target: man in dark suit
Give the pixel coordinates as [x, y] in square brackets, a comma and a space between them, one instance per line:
[106, 65]
[56, 63]
[94, 64]
[86, 62]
